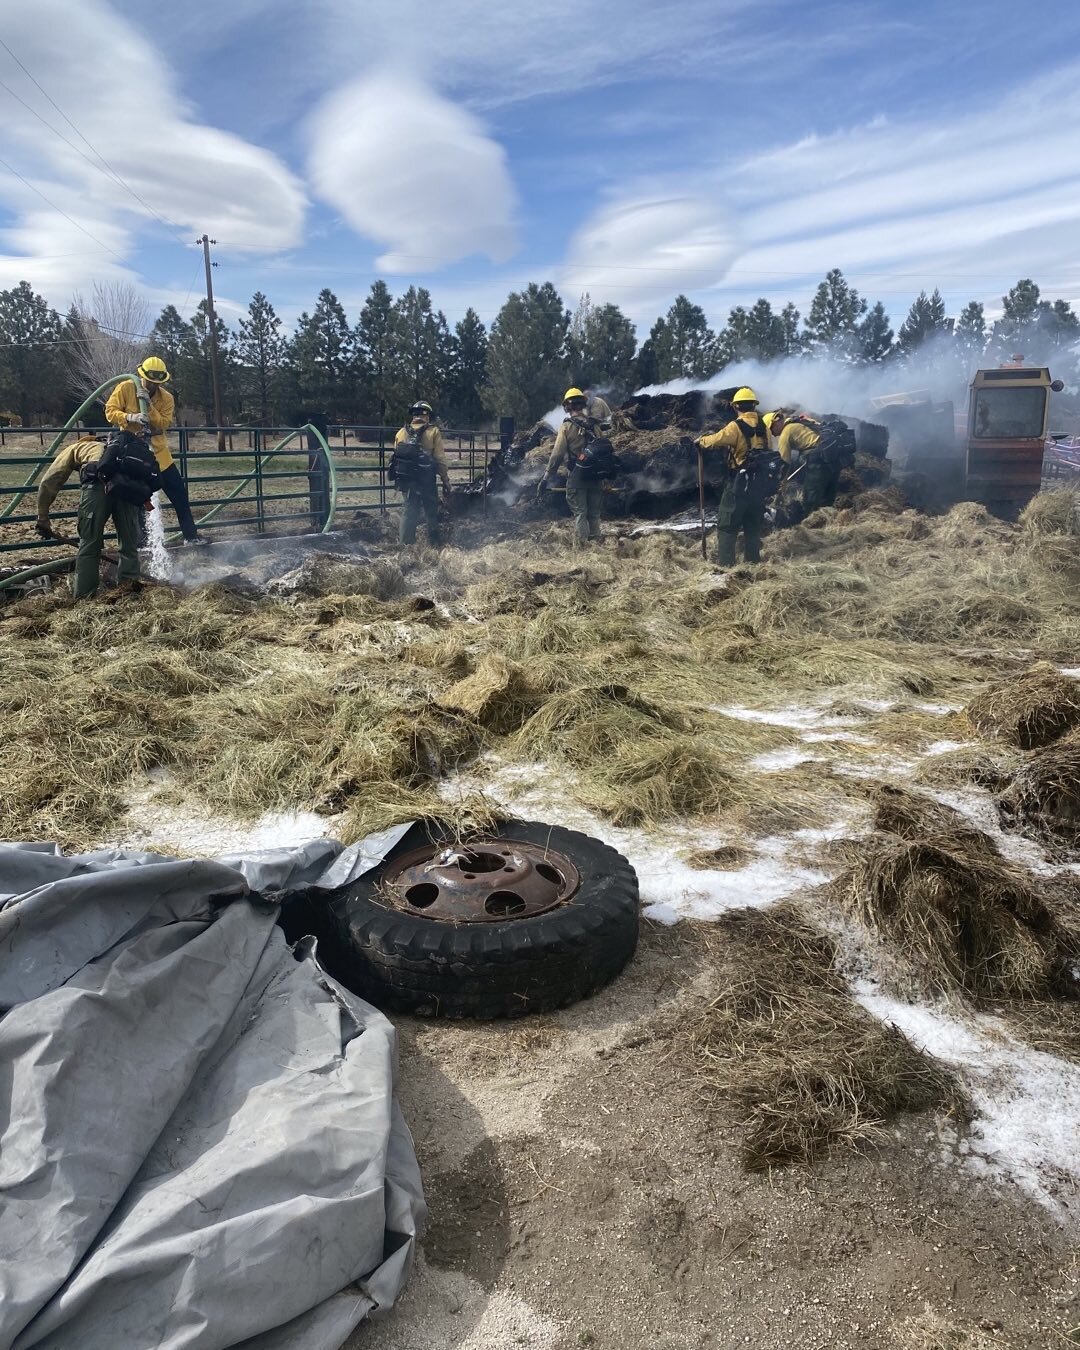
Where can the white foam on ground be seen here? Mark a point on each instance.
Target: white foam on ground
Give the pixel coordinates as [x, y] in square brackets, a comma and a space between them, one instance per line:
[159, 563]
[946, 747]
[799, 718]
[195, 831]
[852, 737]
[1074, 671]
[1026, 1128]
[938, 709]
[670, 889]
[773, 760]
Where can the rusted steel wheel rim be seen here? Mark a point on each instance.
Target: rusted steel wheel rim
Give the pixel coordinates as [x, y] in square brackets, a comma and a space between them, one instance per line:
[486, 881]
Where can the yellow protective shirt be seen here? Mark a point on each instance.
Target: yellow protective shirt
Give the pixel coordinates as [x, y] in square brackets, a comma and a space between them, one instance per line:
[432, 442]
[568, 444]
[124, 399]
[731, 438]
[796, 436]
[85, 450]
[599, 409]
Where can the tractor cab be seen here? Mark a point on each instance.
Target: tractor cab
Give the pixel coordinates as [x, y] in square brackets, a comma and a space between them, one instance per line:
[1006, 435]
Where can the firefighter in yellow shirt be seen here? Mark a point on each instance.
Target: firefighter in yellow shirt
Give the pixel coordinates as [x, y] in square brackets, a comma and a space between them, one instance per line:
[744, 442]
[122, 410]
[419, 458]
[822, 449]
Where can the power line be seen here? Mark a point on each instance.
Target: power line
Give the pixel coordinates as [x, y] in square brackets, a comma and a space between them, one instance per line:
[60, 209]
[174, 229]
[77, 342]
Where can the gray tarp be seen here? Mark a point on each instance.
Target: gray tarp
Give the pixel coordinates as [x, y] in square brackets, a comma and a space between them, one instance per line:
[199, 1140]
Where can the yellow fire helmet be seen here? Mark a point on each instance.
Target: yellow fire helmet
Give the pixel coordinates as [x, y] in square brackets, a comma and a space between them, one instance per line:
[572, 393]
[153, 370]
[744, 396]
[769, 418]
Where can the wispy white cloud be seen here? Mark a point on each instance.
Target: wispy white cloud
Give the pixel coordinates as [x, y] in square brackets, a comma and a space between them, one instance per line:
[637, 248]
[119, 91]
[413, 171]
[898, 203]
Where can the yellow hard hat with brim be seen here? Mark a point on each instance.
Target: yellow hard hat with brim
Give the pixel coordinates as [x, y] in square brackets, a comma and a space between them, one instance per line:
[744, 396]
[154, 370]
[572, 393]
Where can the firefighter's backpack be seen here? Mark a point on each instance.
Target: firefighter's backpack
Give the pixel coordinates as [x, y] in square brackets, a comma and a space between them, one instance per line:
[128, 468]
[411, 467]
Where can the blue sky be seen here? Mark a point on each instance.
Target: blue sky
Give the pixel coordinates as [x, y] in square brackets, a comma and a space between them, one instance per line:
[715, 147]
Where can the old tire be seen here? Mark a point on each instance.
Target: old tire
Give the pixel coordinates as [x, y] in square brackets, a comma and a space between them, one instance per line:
[504, 968]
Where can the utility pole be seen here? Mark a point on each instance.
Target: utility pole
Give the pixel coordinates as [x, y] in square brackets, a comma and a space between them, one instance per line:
[215, 378]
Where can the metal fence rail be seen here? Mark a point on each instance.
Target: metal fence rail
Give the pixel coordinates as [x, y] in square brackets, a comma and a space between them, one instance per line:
[254, 486]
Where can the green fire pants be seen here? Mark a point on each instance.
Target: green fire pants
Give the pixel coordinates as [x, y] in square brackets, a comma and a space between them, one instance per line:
[419, 500]
[584, 497]
[742, 507]
[96, 507]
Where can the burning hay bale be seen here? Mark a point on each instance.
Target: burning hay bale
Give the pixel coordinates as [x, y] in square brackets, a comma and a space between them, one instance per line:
[806, 1068]
[1029, 710]
[959, 917]
[499, 695]
[1044, 795]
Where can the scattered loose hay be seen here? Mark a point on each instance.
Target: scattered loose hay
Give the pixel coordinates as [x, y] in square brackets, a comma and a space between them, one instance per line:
[947, 905]
[499, 695]
[1054, 512]
[1044, 795]
[1029, 710]
[931, 1331]
[806, 1067]
[724, 858]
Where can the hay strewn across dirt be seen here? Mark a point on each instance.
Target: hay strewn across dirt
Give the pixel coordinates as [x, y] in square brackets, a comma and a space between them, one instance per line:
[807, 1068]
[956, 915]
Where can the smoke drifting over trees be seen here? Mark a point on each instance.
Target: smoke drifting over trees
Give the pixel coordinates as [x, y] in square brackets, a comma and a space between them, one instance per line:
[368, 368]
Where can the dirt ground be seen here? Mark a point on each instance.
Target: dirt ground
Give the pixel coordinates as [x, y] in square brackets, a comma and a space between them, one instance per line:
[581, 1195]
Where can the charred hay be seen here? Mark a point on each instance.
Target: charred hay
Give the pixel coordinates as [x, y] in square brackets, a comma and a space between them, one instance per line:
[806, 1068]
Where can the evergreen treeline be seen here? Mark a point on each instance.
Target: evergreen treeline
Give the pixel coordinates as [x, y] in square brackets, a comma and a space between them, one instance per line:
[400, 349]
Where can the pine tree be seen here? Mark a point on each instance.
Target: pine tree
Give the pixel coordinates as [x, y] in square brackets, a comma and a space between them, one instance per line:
[259, 350]
[320, 360]
[526, 367]
[789, 328]
[647, 362]
[685, 347]
[374, 345]
[970, 335]
[601, 350]
[925, 321]
[875, 335]
[758, 334]
[468, 364]
[169, 337]
[421, 356]
[31, 379]
[194, 380]
[832, 324]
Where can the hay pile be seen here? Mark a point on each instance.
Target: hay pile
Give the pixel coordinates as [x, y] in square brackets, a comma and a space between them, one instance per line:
[956, 916]
[1044, 794]
[1028, 710]
[806, 1068]
[498, 695]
